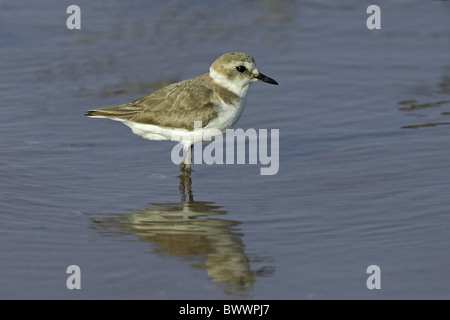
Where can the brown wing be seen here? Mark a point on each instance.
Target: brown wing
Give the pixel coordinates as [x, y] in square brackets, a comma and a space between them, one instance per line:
[176, 106]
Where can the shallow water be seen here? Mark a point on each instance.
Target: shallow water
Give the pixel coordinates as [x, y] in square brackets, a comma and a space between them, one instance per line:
[364, 151]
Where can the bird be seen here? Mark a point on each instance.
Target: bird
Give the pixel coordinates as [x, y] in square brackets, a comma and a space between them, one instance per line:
[215, 100]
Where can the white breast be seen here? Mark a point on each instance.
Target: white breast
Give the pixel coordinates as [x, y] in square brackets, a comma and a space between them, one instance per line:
[227, 116]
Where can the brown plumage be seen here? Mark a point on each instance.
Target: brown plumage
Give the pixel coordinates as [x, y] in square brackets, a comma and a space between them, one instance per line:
[194, 101]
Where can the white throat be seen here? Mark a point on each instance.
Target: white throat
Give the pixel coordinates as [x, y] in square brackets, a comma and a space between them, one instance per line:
[237, 87]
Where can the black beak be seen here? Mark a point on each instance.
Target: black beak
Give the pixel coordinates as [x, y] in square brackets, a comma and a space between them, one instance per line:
[265, 78]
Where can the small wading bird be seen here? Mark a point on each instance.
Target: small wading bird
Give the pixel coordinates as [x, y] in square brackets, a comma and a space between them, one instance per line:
[216, 99]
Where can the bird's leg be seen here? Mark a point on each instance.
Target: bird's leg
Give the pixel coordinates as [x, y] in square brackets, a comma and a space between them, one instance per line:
[189, 188]
[181, 166]
[185, 177]
[189, 161]
[182, 186]
[188, 170]
[187, 153]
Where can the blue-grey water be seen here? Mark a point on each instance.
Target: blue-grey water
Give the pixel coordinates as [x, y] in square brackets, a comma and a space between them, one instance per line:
[364, 174]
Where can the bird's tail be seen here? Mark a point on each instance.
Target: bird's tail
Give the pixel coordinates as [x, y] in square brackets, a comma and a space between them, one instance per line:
[120, 111]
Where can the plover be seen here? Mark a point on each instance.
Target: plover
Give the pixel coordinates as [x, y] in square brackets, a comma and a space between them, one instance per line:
[215, 99]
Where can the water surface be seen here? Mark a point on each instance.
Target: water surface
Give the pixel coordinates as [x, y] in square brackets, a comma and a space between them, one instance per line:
[364, 152]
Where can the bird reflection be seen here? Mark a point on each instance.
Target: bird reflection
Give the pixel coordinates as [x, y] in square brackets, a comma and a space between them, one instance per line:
[187, 230]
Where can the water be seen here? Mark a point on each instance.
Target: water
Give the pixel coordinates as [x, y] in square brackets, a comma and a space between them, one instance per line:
[364, 151]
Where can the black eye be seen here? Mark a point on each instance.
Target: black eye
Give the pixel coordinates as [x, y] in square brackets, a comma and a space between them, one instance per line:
[241, 69]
